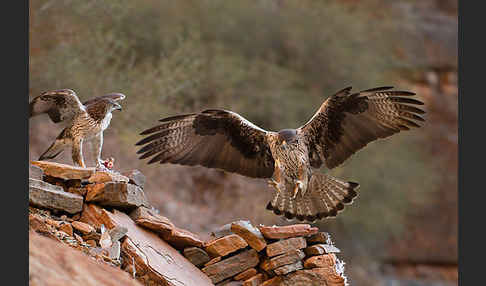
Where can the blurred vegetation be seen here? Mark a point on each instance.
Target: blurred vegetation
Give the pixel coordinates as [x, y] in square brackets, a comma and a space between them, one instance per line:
[272, 61]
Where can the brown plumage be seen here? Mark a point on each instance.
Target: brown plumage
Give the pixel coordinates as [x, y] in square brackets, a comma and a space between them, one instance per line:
[343, 124]
[84, 121]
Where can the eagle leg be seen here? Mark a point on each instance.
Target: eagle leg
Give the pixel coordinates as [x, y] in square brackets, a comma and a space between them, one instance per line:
[276, 181]
[299, 184]
[77, 153]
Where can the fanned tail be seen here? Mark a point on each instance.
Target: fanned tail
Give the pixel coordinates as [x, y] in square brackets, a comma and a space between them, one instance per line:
[325, 197]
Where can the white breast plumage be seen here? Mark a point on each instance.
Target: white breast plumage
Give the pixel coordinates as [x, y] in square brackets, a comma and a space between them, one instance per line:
[106, 121]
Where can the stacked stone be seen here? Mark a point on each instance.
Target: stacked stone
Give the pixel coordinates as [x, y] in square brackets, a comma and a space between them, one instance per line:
[106, 215]
[241, 254]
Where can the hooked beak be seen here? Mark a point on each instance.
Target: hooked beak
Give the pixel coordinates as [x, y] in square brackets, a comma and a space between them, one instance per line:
[284, 143]
[118, 107]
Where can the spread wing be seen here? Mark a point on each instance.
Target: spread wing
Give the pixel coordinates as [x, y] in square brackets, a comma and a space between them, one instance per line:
[347, 122]
[214, 139]
[60, 105]
[113, 96]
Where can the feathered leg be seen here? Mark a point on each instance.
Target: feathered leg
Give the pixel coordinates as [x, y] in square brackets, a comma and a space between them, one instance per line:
[56, 147]
[276, 181]
[77, 152]
[96, 145]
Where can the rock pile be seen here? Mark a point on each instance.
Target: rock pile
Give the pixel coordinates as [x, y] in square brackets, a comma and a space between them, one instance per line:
[106, 216]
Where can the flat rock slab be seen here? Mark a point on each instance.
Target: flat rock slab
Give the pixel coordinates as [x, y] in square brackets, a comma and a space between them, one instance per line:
[118, 195]
[64, 171]
[155, 262]
[135, 177]
[148, 218]
[181, 238]
[96, 216]
[286, 245]
[318, 249]
[35, 172]
[246, 274]
[82, 227]
[254, 281]
[288, 231]
[269, 264]
[324, 260]
[316, 276]
[283, 270]
[225, 245]
[49, 196]
[277, 280]
[231, 266]
[196, 255]
[249, 233]
[104, 177]
[53, 263]
[320, 237]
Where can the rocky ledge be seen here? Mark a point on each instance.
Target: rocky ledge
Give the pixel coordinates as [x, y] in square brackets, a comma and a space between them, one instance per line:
[106, 216]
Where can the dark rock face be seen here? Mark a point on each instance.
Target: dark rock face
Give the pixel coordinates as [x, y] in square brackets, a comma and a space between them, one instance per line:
[49, 196]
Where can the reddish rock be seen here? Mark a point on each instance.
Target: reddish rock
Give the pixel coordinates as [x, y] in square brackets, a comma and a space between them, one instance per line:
[45, 195]
[196, 255]
[246, 274]
[282, 270]
[249, 233]
[135, 177]
[54, 223]
[231, 266]
[276, 281]
[181, 238]
[64, 171]
[319, 249]
[91, 242]
[76, 269]
[254, 281]
[153, 260]
[67, 228]
[268, 264]
[96, 216]
[104, 177]
[320, 237]
[38, 224]
[325, 260]
[330, 275]
[81, 191]
[288, 231]
[212, 261]
[148, 218]
[225, 245]
[311, 277]
[286, 245]
[118, 195]
[82, 227]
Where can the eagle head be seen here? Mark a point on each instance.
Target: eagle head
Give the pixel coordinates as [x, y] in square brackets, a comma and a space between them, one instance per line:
[114, 105]
[287, 136]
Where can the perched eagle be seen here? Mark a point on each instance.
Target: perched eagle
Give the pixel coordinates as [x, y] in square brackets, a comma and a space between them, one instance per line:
[344, 123]
[84, 121]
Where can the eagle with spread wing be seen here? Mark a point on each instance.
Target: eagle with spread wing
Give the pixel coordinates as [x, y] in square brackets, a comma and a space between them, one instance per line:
[290, 158]
[84, 121]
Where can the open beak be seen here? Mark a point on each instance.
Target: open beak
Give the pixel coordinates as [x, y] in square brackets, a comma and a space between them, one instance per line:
[118, 107]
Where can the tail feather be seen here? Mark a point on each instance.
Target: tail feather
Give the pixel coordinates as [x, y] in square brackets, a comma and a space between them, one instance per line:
[325, 197]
